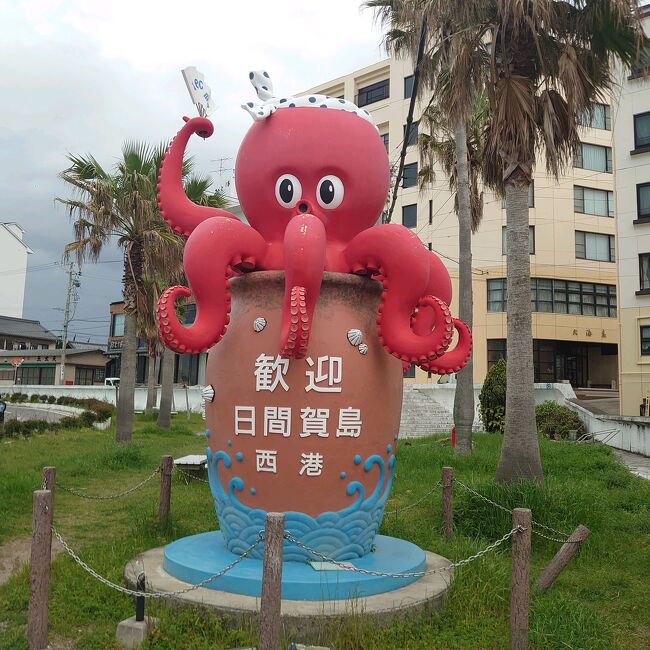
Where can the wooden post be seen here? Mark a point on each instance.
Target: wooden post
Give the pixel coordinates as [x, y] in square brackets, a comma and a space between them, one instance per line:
[164, 505]
[270, 605]
[519, 588]
[447, 502]
[49, 479]
[562, 558]
[39, 579]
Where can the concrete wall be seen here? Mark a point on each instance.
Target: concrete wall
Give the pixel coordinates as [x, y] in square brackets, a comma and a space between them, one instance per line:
[444, 394]
[626, 433]
[107, 394]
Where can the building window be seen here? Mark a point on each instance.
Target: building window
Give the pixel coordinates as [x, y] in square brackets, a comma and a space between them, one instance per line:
[189, 313]
[593, 246]
[541, 295]
[410, 215]
[410, 175]
[531, 196]
[87, 376]
[373, 93]
[645, 341]
[559, 297]
[187, 369]
[587, 200]
[412, 138]
[531, 240]
[410, 372]
[644, 271]
[408, 86]
[384, 139]
[35, 376]
[643, 201]
[496, 349]
[117, 325]
[642, 131]
[593, 157]
[599, 117]
[497, 295]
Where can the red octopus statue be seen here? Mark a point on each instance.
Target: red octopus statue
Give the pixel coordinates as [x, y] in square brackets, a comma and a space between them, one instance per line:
[312, 181]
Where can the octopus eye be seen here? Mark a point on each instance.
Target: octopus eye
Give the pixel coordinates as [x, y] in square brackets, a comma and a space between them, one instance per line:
[288, 190]
[330, 192]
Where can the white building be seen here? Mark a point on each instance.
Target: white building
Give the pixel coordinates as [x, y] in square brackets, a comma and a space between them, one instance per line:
[13, 269]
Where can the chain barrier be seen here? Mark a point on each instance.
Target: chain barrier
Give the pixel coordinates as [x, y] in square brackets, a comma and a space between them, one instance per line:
[156, 594]
[188, 475]
[95, 497]
[412, 505]
[534, 523]
[411, 574]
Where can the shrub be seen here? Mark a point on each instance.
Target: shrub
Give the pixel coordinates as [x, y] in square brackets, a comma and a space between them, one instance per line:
[493, 398]
[555, 421]
[25, 428]
[51, 399]
[88, 417]
[43, 398]
[34, 398]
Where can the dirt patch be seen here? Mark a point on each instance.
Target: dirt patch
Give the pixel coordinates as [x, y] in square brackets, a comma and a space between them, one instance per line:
[16, 553]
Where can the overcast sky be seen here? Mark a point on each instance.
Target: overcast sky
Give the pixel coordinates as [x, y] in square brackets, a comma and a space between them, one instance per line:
[83, 76]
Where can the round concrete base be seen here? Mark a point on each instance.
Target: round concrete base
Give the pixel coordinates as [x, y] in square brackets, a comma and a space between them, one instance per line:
[196, 558]
[305, 619]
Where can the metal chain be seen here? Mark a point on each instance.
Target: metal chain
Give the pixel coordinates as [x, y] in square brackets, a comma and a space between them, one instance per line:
[155, 594]
[535, 523]
[415, 503]
[188, 475]
[83, 495]
[410, 574]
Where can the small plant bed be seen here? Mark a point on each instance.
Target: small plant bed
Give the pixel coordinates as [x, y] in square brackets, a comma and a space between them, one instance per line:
[598, 603]
[556, 421]
[103, 410]
[95, 411]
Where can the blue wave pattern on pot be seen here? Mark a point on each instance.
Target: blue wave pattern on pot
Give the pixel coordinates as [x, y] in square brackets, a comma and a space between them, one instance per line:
[343, 535]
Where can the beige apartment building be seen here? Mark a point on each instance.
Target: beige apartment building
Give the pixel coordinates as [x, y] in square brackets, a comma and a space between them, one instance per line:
[572, 242]
[632, 172]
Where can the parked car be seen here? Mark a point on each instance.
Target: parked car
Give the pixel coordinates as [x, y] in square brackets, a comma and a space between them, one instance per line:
[112, 381]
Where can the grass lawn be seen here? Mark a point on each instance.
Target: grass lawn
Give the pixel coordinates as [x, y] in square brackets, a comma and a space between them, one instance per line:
[600, 602]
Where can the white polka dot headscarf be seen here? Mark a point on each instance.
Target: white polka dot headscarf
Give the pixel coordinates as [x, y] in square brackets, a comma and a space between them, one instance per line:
[270, 103]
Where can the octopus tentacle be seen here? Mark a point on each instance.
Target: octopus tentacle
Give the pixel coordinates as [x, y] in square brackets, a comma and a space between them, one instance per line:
[304, 247]
[215, 251]
[177, 210]
[396, 257]
[455, 359]
[295, 330]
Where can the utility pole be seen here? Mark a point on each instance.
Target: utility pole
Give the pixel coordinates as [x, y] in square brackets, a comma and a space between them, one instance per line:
[72, 284]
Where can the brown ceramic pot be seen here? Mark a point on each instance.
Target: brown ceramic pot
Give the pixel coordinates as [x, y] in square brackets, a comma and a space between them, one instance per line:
[314, 438]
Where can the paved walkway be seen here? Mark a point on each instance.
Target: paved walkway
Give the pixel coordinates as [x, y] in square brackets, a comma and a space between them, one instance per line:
[638, 465]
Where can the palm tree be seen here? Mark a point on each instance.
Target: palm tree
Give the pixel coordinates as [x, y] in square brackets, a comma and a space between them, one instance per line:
[549, 61]
[122, 204]
[450, 70]
[440, 144]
